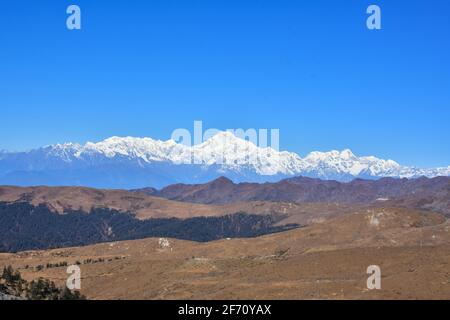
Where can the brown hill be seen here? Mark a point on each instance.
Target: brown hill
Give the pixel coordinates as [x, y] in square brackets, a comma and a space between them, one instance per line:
[143, 206]
[423, 193]
[32, 218]
[323, 261]
[61, 199]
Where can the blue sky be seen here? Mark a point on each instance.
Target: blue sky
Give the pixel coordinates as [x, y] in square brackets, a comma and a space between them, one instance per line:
[311, 69]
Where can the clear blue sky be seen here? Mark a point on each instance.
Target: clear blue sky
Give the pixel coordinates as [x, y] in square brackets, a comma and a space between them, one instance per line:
[310, 68]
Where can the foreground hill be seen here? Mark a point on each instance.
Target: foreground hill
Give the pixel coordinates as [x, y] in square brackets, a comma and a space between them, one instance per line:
[322, 261]
[423, 193]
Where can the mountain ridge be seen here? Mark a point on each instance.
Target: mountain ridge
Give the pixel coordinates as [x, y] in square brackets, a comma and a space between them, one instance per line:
[421, 193]
[127, 163]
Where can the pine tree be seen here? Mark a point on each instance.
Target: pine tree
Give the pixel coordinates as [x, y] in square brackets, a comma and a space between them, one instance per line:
[11, 283]
[7, 274]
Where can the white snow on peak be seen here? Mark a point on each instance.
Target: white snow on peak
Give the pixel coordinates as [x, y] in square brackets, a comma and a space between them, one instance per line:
[146, 149]
[229, 152]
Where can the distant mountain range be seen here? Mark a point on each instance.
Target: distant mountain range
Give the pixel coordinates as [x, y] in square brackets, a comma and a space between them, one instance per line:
[421, 193]
[129, 163]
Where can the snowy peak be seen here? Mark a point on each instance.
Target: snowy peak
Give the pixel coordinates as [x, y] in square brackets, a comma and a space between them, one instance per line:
[223, 154]
[224, 137]
[346, 154]
[127, 146]
[230, 152]
[347, 163]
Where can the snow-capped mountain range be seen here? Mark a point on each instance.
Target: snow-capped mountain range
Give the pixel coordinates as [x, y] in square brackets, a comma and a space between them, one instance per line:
[140, 162]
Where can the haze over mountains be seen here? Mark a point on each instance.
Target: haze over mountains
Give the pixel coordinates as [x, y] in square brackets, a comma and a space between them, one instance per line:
[141, 162]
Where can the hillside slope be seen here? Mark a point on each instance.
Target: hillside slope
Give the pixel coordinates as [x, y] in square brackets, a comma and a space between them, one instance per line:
[322, 261]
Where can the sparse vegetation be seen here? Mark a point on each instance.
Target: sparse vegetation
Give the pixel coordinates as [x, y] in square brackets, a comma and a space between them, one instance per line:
[49, 265]
[56, 265]
[40, 267]
[279, 253]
